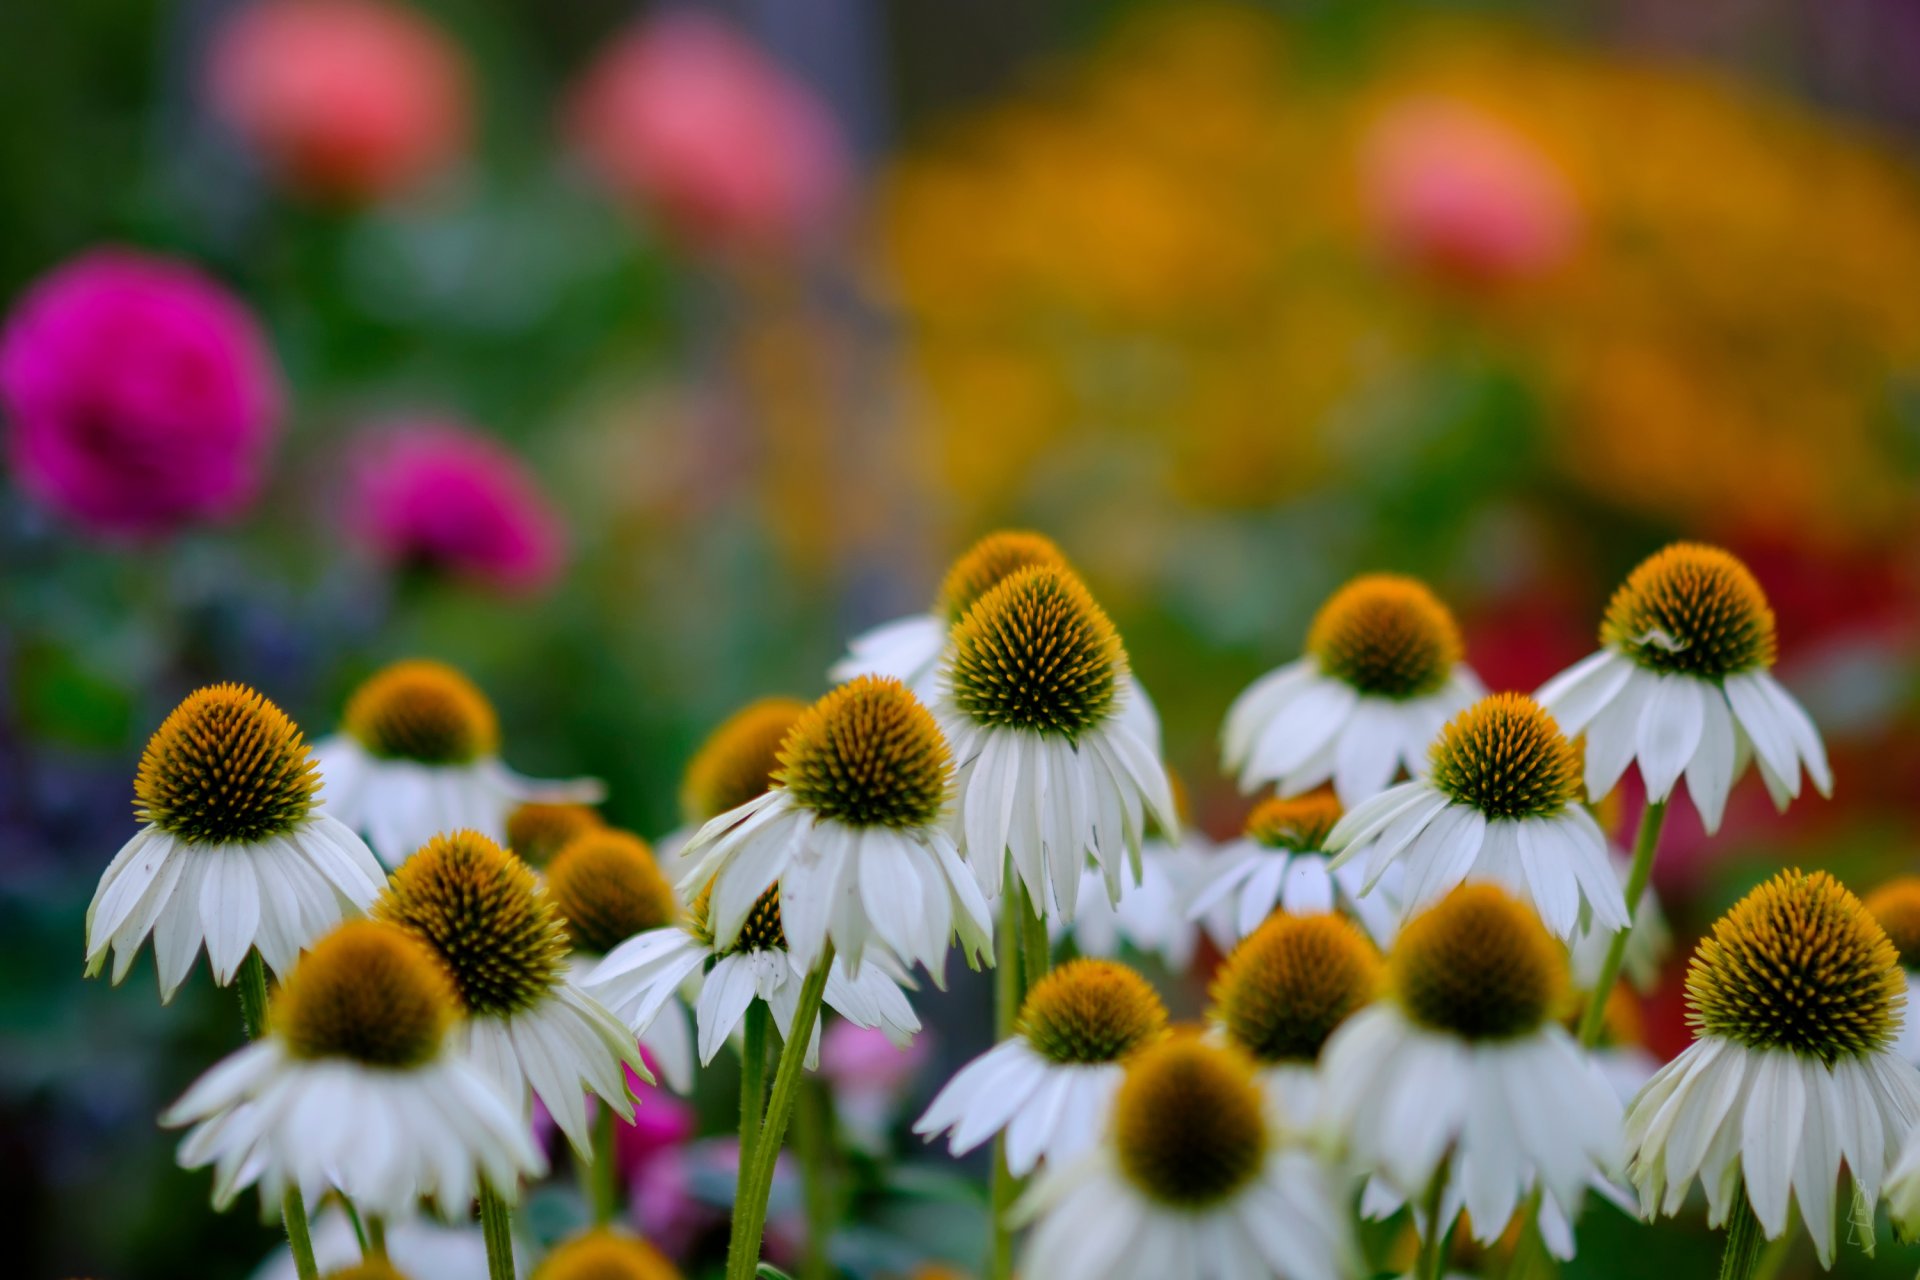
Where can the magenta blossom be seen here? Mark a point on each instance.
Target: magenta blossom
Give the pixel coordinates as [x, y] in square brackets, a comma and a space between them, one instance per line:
[139, 394]
[436, 495]
[689, 119]
[870, 1077]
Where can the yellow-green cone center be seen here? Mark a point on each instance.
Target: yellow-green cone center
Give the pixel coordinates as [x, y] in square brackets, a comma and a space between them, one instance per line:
[1037, 653]
[425, 712]
[1896, 905]
[1386, 635]
[1507, 758]
[1798, 964]
[605, 1254]
[1692, 609]
[370, 992]
[1089, 1011]
[869, 755]
[738, 760]
[1478, 964]
[988, 563]
[536, 831]
[226, 767]
[1189, 1125]
[484, 914]
[1299, 824]
[607, 887]
[1291, 982]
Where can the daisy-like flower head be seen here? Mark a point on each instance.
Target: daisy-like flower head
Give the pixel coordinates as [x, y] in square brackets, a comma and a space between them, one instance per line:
[1051, 1085]
[737, 761]
[233, 850]
[1192, 1179]
[607, 888]
[1280, 863]
[1152, 914]
[854, 833]
[361, 1027]
[605, 1254]
[1382, 673]
[537, 830]
[1682, 686]
[1896, 905]
[1049, 772]
[1465, 1064]
[645, 980]
[1283, 992]
[528, 1026]
[1500, 802]
[1796, 1000]
[418, 756]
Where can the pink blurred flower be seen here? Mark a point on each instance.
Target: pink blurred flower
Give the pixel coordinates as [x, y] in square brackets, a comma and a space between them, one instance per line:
[661, 1122]
[1463, 196]
[685, 116]
[687, 1193]
[869, 1077]
[344, 99]
[140, 394]
[434, 494]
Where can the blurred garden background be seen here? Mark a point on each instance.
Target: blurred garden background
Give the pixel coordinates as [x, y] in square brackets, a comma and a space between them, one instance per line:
[631, 358]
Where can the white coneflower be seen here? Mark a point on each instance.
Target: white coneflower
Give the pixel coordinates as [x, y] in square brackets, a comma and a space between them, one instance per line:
[646, 980]
[1462, 1076]
[607, 889]
[911, 649]
[527, 1024]
[1682, 686]
[1194, 1180]
[1281, 864]
[1049, 770]
[736, 763]
[357, 1088]
[1152, 914]
[855, 833]
[1796, 1000]
[419, 756]
[1896, 905]
[234, 852]
[1382, 673]
[1281, 995]
[1051, 1085]
[1500, 802]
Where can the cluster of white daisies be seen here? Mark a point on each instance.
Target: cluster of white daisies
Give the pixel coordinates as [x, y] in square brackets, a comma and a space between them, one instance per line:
[1423, 926]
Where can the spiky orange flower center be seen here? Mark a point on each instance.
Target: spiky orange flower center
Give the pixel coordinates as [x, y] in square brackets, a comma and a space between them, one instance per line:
[607, 887]
[1693, 609]
[370, 992]
[1291, 982]
[1037, 653]
[1798, 964]
[537, 830]
[1478, 964]
[762, 931]
[605, 1254]
[1506, 757]
[1300, 824]
[737, 761]
[1189, 1125]
[226, 767]
[869, 755]
[422, 711]
[1896, 905]
[989, 562]
[1386, 635]
[485, 915]
[1091, 1010]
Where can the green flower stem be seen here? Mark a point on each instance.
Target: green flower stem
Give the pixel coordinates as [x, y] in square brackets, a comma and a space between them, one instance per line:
[496, 1224]
[1036, 946]
[1744, 1240]
[1645, 842]
[376, 1236]
[756, 1178]
[813, 1139]
[1009, 994]
[1432, 1263]
[753, 1080]
[603, 1179]
[252, 984]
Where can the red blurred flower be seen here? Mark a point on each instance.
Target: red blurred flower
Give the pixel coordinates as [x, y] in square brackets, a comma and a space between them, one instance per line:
[343, 99]
[686, 117]
[1461, 195]
[434, 494]
[140, 394]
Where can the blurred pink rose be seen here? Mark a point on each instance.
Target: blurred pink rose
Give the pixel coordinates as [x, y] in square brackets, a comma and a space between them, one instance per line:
[433, 494]
[343, 99]
[686, 117]
[1463, 196]
[140, 395]
[869, 1077]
